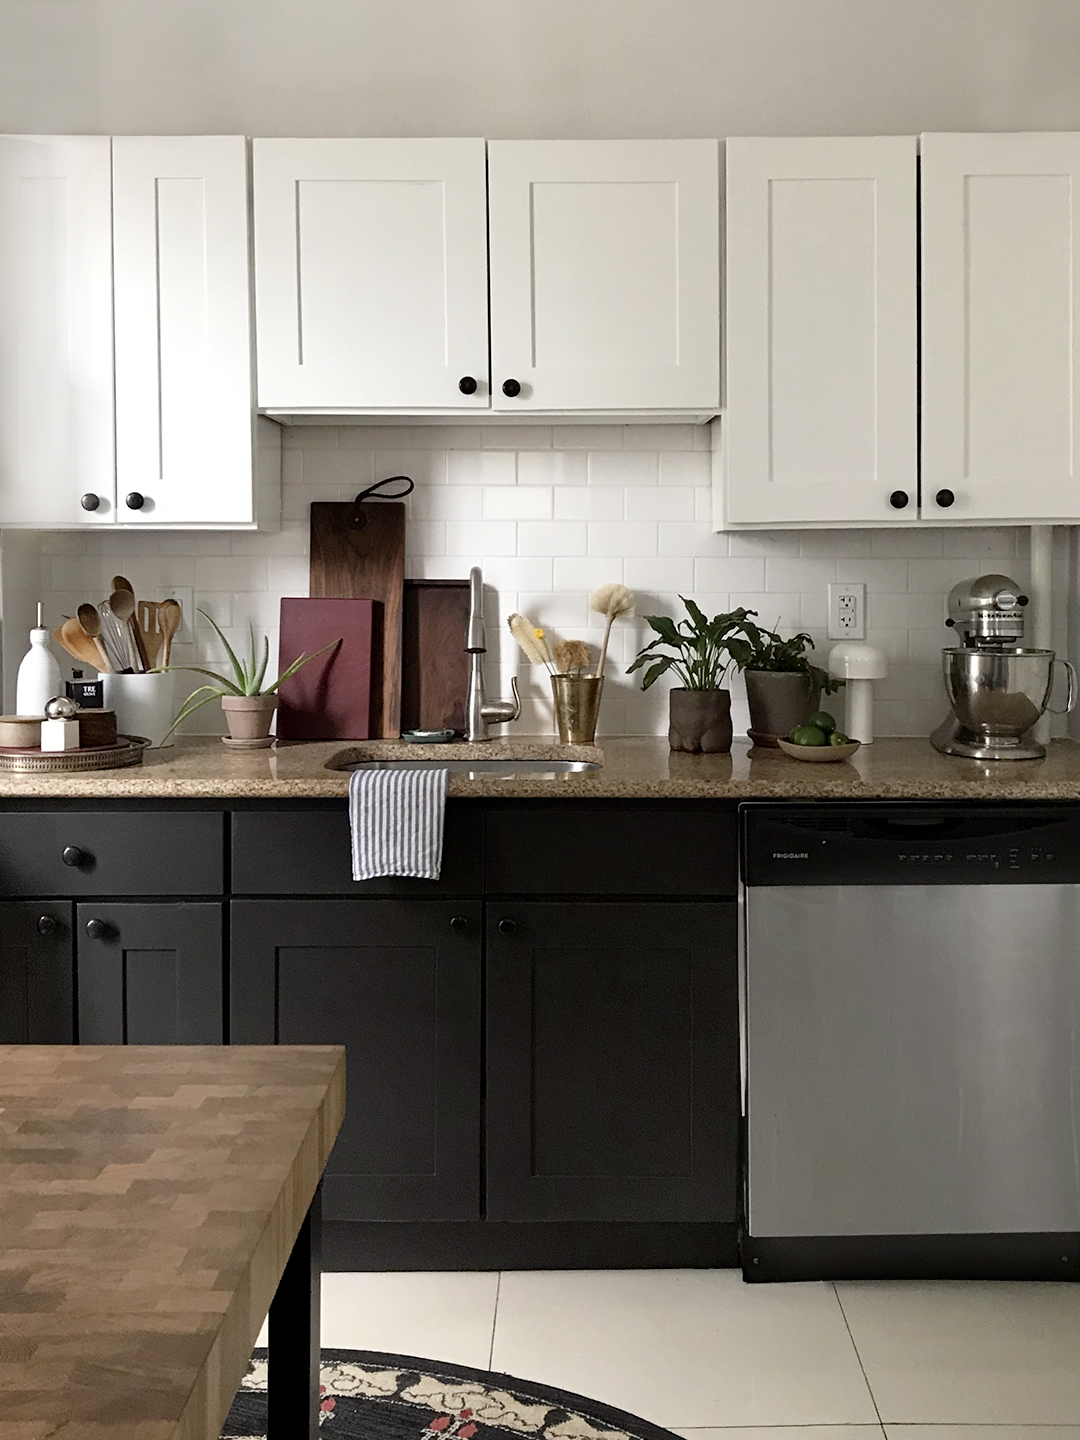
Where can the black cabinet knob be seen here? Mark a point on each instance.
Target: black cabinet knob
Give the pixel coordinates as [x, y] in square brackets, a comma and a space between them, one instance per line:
[459, 924]
[74, 856]
[97, 929]
[944, 498]
[90, 501]
[507, 927]
[511, 388]
[134, 501]
[467, 385]
[46, 925]
[898, 499]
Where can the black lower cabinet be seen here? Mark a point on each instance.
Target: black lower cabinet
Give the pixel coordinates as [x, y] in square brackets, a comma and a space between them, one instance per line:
[37, 973]
[150, 974]
[398, 982]
[612, 1062]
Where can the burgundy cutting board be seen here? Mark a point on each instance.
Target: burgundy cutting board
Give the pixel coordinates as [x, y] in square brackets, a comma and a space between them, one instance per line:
[330, 698]
[366, 561]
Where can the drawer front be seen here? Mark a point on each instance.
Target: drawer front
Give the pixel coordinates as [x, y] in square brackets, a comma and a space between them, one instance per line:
[112, 853]
[597, 847]
[309, 852]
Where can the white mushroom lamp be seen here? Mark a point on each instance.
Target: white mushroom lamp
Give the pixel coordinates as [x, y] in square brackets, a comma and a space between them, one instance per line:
[858, 665]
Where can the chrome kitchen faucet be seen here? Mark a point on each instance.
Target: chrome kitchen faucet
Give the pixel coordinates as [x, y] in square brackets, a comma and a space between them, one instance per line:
[480, 713]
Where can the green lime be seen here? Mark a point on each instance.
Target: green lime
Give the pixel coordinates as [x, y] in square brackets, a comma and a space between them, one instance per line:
[823, 721]
[808, 735]
[837, 739]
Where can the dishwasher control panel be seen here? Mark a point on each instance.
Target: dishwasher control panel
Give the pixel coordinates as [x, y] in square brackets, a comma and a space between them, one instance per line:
[916, 844]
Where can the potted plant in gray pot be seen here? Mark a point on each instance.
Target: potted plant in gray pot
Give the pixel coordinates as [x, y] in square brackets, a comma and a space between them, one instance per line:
[699, 652]
[783, 687]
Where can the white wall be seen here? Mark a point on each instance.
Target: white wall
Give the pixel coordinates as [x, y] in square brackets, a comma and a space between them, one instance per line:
[551, 514]
[541, 68]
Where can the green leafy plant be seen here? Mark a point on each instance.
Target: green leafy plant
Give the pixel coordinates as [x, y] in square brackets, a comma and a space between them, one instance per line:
[247, 675]
[704, 649]
[767, 650]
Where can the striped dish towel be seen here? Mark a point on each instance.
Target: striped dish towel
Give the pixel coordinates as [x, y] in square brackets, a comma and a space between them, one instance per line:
[397, 822]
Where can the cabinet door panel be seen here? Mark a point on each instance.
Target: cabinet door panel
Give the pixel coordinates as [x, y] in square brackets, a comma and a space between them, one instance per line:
[612, 1043]
[399, 987]
[56, 338]
[155, 977]
[184, 424]
[371, 273]
[37, 973]
[1000, 312]
[605, 274]
[820, 425]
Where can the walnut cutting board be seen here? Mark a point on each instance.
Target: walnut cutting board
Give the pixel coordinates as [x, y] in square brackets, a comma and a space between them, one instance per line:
[366, 562]
[435, 667]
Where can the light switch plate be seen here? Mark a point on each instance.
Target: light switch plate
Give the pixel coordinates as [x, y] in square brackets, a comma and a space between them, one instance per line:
[847, 610]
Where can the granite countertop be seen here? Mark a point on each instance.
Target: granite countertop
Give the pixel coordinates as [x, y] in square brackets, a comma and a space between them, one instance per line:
[632, 768]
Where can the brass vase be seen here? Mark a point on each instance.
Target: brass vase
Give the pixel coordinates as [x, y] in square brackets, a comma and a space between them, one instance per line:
[577, 705]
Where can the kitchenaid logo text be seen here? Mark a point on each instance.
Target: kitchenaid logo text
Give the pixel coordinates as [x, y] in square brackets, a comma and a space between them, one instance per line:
[791, 854]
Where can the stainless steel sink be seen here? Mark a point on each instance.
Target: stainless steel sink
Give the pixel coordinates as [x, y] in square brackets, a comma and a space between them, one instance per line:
[491, 769]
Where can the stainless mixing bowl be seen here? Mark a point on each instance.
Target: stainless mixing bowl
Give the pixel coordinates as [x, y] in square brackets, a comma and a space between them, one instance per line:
[1001, 693]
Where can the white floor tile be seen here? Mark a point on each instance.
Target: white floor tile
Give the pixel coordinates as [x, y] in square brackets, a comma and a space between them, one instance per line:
[437, 1316]
[684, 1347]
[792, 1432]
[969, 1353]
[982, 1432]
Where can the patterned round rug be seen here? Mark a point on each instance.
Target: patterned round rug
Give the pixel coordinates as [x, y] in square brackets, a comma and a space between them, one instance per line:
[399, 1397]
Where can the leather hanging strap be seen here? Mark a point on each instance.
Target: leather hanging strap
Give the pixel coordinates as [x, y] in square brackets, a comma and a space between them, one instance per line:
[379, 489]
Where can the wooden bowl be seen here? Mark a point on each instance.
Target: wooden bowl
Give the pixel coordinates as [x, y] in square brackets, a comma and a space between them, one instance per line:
[827, 754]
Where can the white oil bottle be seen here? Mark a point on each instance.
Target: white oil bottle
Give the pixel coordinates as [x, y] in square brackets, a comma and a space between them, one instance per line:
[39, 676]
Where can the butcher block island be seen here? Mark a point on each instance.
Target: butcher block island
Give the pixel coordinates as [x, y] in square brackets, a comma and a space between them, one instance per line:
[150, 1201]
[542, 1045]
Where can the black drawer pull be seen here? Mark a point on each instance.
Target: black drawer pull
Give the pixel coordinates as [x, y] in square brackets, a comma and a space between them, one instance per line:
[134, 501]
[945, 498]
[467, 385]
[74, 856]
[511, 388]
[459, 924]
[507, 927]
[97, 929]
[46, 925]
[898, 499]
[90, 501]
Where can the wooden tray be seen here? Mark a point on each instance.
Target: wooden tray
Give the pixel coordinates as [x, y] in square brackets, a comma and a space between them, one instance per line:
[128, 750]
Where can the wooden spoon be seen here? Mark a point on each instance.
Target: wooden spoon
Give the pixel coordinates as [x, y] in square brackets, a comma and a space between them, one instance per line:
[114, 637]
[120, 582]
[170, 615]
[122, 585]
[90, 621]
[76, 642]
[122, 604]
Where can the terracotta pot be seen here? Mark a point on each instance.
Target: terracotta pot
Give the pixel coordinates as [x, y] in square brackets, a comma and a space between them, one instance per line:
[778, 700]
[248, 718]
[700, 721]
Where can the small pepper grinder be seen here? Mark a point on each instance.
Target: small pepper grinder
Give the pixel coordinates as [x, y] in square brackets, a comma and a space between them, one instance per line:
[858, 665]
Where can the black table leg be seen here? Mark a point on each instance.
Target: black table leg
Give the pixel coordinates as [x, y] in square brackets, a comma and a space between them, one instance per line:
[292, 1397]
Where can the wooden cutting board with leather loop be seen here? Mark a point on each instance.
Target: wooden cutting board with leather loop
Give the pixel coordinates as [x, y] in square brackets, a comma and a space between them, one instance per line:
[358, 553]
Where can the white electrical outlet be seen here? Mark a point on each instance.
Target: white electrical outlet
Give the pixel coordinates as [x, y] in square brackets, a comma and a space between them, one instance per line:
[847, 610]
[185, 596]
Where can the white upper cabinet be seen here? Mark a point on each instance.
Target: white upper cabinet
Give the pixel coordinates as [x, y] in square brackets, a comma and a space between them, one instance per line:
[1000, 314]
[605, 275]
[371, 274]
[56, 402]
[820, 425]
[185, 447]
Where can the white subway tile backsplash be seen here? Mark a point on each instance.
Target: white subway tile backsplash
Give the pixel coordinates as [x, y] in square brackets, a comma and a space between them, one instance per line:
[634, 467]
[622, 537]
[647, 503]
[550, 514]
[589, 502]
[517, 502]
[552, 467]
[553, 537]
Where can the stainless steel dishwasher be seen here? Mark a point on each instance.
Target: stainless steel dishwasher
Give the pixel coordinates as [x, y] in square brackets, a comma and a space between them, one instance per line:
[912, 1064]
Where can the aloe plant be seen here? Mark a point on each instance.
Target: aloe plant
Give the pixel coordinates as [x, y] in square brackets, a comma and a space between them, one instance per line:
[247, 675]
